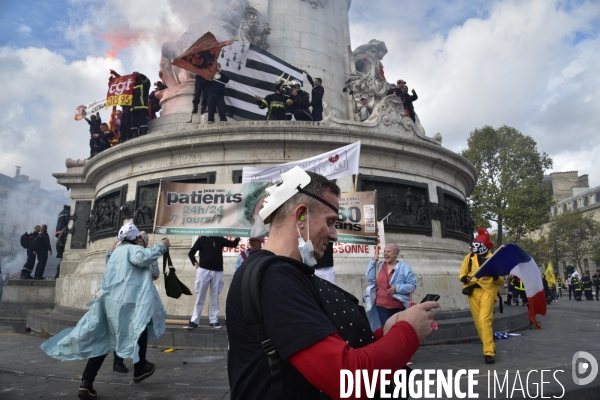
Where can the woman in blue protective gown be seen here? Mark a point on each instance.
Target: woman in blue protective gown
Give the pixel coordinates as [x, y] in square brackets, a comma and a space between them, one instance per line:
[125, 314]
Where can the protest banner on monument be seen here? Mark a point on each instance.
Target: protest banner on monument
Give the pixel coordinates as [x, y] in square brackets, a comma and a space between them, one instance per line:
[333, 165]
[188, 209]
[120, 91]
[84, 111]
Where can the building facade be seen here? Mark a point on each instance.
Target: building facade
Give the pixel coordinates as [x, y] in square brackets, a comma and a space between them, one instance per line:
[572, 192]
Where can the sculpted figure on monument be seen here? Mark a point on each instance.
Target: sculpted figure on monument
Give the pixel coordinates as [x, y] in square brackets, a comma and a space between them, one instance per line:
[368, 78]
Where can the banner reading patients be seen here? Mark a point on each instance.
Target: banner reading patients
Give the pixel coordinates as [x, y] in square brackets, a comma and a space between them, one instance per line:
[333, 165]
[189, 209]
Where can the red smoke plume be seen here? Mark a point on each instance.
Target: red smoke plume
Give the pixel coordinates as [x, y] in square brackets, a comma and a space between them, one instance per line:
[120, 39]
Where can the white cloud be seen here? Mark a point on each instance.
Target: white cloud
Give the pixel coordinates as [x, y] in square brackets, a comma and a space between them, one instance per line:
[24, 30]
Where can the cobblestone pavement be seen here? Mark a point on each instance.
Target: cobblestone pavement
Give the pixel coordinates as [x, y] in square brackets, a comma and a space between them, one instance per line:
[27, 373]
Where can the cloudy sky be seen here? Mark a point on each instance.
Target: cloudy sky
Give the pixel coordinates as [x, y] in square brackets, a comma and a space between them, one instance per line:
[530, 64]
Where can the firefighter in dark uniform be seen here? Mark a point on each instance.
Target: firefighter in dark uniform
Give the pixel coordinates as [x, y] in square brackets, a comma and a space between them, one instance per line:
[274, 102]
[576, 283]
[199, 86]
[298, 103]
[317, 97]
[519, 291]
[139, 107]
[596, 280]
[31, 253]
[587, 285]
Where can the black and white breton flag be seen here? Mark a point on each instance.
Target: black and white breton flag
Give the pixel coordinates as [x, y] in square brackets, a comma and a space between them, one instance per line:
[251, 71]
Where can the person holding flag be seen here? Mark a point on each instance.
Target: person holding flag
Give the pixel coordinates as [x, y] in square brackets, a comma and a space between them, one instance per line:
[482, 292]
[551, 279]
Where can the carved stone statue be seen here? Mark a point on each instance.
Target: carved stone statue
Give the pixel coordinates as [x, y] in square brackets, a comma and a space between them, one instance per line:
[367, 77]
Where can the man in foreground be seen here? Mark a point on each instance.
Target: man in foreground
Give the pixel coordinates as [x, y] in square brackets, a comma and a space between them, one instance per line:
[316, 328]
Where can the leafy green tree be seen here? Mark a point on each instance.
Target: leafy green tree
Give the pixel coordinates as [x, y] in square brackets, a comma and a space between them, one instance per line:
[577, 237]
[509, 188]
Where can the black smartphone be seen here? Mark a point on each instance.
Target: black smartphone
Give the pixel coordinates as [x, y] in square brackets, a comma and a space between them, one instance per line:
[431, 297]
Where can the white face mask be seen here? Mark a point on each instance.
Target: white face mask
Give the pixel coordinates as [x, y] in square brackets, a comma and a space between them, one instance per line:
[307, 250]
[259, 229]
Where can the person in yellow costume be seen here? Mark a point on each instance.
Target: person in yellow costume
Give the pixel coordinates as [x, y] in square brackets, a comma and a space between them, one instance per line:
[482, 292]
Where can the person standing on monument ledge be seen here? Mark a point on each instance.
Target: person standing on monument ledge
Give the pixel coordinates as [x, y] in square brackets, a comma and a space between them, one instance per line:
[311, 329]
[317, 97]
[298, 103]
[274, 102]
[215, 90]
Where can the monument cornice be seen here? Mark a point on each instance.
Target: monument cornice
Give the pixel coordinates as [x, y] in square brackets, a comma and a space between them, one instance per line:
[181, 136]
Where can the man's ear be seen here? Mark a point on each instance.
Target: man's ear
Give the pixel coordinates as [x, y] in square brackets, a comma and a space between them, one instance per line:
[300, 216]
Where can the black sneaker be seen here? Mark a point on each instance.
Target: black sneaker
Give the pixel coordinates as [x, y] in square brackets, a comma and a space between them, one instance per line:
[143, 373]
[86, 391]
[216, 325]
[489, 359]
[195, 109]
[120, 368]
[190, 325]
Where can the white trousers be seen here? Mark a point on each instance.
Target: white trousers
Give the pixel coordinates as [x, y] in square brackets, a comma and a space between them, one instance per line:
[327, 273]
[205, 279]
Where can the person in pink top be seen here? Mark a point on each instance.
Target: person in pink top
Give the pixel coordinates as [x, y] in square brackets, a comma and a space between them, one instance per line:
[394, 281]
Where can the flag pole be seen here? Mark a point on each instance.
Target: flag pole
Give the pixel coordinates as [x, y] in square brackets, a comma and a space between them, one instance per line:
[156, 211]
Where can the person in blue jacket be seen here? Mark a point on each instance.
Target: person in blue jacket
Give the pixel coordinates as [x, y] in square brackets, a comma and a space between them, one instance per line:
[254, 243]
[126, 313]
[391, 283]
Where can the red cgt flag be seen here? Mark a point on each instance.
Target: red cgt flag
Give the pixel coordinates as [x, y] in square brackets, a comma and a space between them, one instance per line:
[201, 57]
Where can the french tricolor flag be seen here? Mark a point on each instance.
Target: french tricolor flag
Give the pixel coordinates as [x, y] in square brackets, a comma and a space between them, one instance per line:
[511, 259]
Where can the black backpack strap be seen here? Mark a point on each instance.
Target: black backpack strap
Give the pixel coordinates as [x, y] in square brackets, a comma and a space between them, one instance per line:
[252, 309]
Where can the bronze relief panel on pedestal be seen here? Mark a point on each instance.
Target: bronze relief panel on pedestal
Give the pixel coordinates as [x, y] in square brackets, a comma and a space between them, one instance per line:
[405, 203]
[106, 216]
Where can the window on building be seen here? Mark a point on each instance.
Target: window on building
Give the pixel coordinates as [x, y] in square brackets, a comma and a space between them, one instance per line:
[586, 265]
[14, 231]
[580, 202]
[564, 264]
[591, 199]
[1, 229]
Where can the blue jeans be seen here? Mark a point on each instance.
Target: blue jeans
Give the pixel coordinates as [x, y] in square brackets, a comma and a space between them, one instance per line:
[386, 313]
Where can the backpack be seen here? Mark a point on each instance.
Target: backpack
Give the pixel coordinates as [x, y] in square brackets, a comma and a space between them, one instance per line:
[25, 240]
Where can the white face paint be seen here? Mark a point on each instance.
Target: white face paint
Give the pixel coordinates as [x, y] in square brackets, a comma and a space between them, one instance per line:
[307, 250]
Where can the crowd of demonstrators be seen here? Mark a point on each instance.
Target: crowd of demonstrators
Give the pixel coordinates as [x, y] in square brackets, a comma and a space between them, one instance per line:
[583, 286]
[38, 247]
[305, 319]
[209, 274]
[130, 121]
[482, 293]
[105, 328]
